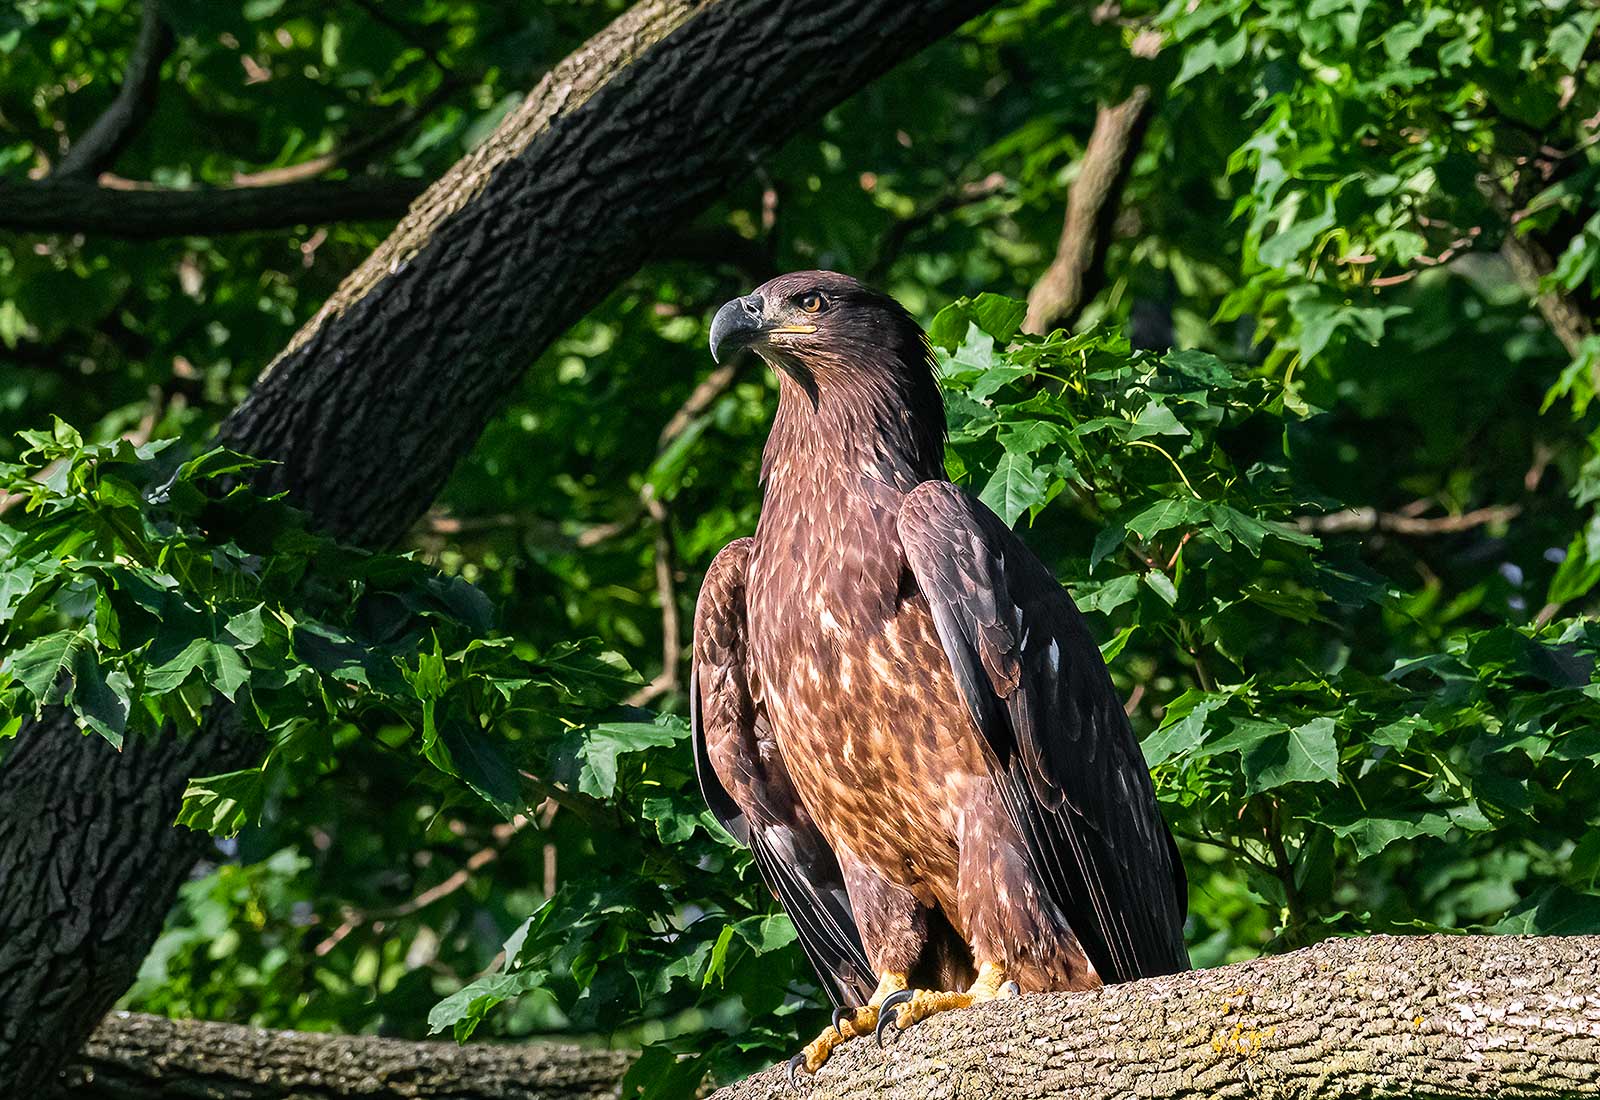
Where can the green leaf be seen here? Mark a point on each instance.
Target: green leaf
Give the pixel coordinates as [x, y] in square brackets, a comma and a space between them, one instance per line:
[1304, 754]
[1015, 486]
[1177, 737]
[483, 764]
[604, 743]
[1108, 596]
[998, 315]
[42, 662]
[223, 804]
[1164, 515]
[100, 701]
[219, 665]
[1374, 830]
[1110, 650]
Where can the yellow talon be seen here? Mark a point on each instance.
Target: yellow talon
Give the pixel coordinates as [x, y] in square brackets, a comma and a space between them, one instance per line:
[911, 1005]
[849, 1025]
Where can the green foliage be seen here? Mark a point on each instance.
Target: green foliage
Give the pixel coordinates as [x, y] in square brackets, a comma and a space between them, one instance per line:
[135, 598]
[1357, 721]
[1325, 771]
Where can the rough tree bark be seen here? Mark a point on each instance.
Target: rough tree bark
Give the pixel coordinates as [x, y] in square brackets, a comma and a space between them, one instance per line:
[375, 400]
[1437, 1016]
[1461, 1017]
[1066, 284]
[135, 1057]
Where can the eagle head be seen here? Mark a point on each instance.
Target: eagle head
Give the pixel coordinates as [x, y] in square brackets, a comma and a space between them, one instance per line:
[822, 328]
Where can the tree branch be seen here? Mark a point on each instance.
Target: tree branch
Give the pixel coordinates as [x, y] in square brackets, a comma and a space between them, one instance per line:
[1370, 519]
[97, 150]
[1496, 1017]
[903, 230]
[147, 213]
[1530, 261]
[357, 153]
[1064, 287]
[138, 1057]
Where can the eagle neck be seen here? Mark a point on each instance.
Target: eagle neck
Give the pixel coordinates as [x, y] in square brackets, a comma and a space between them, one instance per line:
[861, 427]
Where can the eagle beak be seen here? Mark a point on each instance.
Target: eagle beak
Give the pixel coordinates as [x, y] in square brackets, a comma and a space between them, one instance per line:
[737, 325]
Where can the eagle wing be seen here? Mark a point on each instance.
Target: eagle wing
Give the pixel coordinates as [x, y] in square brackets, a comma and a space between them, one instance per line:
[748, 789]
[1061, 751]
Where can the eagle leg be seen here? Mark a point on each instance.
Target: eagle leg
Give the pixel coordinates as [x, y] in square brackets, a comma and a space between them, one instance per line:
[906, 1007]
[847, 1024]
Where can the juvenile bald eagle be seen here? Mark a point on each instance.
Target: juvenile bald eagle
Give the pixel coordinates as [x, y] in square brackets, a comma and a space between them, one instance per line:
[899, 709]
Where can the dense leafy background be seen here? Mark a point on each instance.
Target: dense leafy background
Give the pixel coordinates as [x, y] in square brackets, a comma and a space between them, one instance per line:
[1388, 724]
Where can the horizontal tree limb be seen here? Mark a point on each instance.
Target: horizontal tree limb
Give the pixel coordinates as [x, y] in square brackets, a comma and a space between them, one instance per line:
[1370, 519]
[145, 213]
[137, 1057]
[1496, 1017]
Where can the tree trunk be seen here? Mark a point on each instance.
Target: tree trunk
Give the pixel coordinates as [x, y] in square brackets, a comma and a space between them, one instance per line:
[136, 1057]
[390, 384]
[1496, 1017]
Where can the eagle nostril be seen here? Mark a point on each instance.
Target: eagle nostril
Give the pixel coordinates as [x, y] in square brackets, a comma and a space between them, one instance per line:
[752, 304]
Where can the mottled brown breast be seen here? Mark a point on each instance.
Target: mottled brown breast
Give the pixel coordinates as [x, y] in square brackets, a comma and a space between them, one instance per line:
[856, 686]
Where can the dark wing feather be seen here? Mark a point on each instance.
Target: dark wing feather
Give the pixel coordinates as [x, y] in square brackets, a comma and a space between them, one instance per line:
[744, 782]
[1066, 761]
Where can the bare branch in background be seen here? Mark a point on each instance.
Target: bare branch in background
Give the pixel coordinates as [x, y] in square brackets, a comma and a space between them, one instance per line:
[1370, 519]
[137, 1057]
[148, 213]
[359, 152]
[355, 918]
[666, 680]
[966, 194]
[97, 150]
[1092, 203]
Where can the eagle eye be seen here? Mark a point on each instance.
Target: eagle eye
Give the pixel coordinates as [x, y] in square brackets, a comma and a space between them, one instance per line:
[812, 302]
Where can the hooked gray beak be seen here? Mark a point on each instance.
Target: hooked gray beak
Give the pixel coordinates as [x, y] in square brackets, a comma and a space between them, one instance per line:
[738, 324]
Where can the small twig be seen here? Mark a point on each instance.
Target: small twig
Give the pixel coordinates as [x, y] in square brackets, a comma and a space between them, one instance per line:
[701, 398]
[358, 152]
[1283, 866]
[1370, 519]
[966, 194]
[355, 918]
[667, 592]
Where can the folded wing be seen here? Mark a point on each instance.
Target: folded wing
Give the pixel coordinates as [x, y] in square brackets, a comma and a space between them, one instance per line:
[744, 782]
[1066, 761]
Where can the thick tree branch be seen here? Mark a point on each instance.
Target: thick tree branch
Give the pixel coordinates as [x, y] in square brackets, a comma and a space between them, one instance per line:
[1092, 205]
[136, 1057]
[144, 213]
[623, 142]
[97, 150]
[377, 398]
[1463, 1017]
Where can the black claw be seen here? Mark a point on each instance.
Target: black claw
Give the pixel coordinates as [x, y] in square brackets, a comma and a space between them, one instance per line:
[794, 1069]
[838, 1017]
[1010, 989]
[886, 1011]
